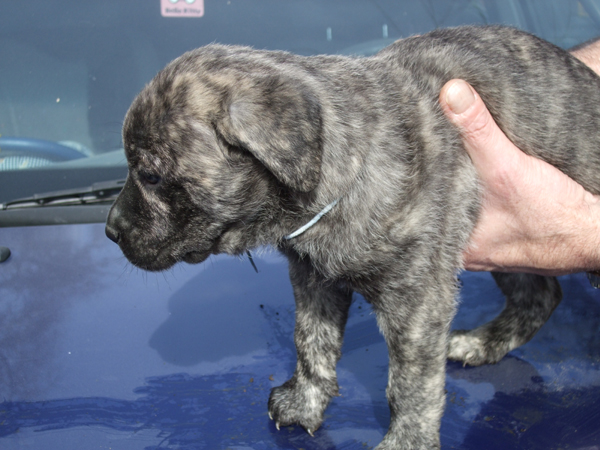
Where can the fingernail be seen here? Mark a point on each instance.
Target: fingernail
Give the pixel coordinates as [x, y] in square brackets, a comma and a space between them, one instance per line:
[459, 97]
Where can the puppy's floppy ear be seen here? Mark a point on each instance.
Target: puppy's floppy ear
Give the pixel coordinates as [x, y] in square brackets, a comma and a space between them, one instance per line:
[279, 121]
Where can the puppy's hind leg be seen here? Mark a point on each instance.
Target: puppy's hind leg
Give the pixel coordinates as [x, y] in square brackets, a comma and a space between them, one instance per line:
[321, 313]
[530, 300]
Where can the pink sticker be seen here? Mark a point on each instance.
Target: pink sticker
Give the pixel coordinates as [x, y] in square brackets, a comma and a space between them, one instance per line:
[182, 8]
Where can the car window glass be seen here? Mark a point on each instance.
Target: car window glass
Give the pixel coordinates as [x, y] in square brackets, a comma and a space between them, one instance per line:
[70, 69]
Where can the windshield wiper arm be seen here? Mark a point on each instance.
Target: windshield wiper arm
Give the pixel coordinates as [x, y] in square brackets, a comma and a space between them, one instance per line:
[101, 192]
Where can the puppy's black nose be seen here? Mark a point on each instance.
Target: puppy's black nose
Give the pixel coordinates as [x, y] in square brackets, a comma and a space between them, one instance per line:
[112, 234]
[113, 224]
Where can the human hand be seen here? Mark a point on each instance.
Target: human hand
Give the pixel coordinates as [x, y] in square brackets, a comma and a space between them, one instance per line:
[534, 218]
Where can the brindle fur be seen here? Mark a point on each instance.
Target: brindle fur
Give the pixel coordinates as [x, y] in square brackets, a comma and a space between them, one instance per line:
[231, 148]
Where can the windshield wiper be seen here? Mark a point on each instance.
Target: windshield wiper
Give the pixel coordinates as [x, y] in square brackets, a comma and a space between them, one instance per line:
[101, 192]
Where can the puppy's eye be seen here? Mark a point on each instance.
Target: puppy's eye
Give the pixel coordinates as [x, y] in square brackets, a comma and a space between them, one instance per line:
[150, 178]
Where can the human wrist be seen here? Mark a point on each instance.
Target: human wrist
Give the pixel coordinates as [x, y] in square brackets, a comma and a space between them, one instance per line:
[591, 246]
[573, 246]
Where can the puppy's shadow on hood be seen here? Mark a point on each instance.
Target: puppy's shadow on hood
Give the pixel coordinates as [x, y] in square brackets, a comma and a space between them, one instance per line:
[221, 312]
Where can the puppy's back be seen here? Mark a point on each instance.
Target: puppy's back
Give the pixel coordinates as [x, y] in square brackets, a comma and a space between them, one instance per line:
[544, 99]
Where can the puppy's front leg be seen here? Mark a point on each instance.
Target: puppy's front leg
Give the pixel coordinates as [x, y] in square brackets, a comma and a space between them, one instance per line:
[415, 323]
[321, 314]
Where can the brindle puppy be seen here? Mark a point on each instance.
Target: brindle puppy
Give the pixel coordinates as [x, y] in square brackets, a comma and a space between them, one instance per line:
[231, 148]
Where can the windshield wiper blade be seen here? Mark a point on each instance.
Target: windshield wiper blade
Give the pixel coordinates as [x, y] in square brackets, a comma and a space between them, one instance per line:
[101, 192]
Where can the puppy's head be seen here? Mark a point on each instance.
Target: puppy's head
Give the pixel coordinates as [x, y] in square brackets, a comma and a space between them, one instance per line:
[210, 143]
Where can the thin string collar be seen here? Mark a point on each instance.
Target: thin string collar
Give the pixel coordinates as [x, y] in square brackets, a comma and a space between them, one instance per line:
[314, 220]
[299, 231]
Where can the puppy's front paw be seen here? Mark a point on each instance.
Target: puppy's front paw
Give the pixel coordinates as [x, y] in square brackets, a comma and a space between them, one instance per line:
[301, 403]
[475, 349]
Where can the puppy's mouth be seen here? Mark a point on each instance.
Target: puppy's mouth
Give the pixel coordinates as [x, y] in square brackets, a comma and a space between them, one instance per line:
[195, 257]
[164, 260]
[198, 256]
[164, 257]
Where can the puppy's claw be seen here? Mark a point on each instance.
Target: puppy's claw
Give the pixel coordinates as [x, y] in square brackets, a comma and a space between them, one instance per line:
[310, 432]
[270, 415]
[277, 425]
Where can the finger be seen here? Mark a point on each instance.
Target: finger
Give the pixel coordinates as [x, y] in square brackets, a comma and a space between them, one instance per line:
[486, 144]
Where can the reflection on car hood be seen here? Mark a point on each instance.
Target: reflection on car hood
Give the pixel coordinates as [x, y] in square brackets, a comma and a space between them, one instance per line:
[96, 351]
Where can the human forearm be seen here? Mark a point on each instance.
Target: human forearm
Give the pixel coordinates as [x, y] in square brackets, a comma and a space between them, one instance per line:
[589, 54]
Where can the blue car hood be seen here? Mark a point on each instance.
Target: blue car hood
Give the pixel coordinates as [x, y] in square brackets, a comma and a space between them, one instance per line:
[97, 354]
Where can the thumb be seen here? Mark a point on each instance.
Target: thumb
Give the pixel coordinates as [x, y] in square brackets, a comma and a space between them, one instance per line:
[484, 141]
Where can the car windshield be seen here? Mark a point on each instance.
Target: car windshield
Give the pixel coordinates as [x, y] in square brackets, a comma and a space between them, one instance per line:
[69, 69]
